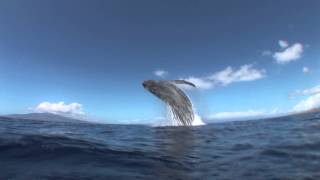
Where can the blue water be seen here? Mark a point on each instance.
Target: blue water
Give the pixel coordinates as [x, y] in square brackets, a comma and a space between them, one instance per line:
[285, 148]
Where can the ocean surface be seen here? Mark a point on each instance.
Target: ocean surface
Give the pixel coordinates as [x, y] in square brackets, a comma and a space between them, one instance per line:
[283, 148]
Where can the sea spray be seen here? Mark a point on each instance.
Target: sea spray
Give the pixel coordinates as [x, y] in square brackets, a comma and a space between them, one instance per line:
[197, 121]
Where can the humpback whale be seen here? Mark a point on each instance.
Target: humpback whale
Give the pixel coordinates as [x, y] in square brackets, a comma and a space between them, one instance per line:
[178, 101]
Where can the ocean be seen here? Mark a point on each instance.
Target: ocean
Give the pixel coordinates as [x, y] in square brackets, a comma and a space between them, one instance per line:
[281, 148]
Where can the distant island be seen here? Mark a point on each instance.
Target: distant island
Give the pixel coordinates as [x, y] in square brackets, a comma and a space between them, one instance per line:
[41, 117]
[50, 117]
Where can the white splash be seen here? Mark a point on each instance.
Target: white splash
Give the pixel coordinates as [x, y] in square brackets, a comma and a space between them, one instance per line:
[171, 121]
[197, 121]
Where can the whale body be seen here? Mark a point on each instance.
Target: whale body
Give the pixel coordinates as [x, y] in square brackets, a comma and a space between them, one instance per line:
[168, 92]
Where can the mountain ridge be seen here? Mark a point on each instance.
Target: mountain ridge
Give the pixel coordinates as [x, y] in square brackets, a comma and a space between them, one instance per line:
[41, 117]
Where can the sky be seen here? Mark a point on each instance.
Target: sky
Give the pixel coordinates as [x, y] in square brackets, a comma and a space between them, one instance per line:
[89, 58]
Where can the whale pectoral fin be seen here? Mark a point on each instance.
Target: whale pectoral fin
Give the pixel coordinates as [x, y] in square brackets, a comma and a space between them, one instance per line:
[183, 82]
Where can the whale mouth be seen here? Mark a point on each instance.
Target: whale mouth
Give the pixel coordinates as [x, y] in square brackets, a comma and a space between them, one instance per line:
[146, 83]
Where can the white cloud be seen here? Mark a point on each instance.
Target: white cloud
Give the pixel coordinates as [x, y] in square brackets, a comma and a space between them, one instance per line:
[227, 76]
[305, 70]
[304, 92]
[310, 103]
[245, 115]
[289, 54]
[236, 114]
[161, 73]
[72, 109]
[245, 73]
[283, 44]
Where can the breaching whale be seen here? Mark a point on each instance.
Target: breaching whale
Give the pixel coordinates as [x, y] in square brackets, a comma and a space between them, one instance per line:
[173, 96]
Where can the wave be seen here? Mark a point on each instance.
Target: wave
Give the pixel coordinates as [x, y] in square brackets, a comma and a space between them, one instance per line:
[268, 149]
[60, 157]
[37, 146]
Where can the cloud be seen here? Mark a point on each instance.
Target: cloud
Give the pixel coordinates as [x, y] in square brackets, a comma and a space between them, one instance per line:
[309, 103]
[161, 73]
[305, 70]
[290, 53]
[236, 114]
[72, 109]
[245, 115]
[227, 76]
[304, 92]
[283, 44]
[245, 73]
